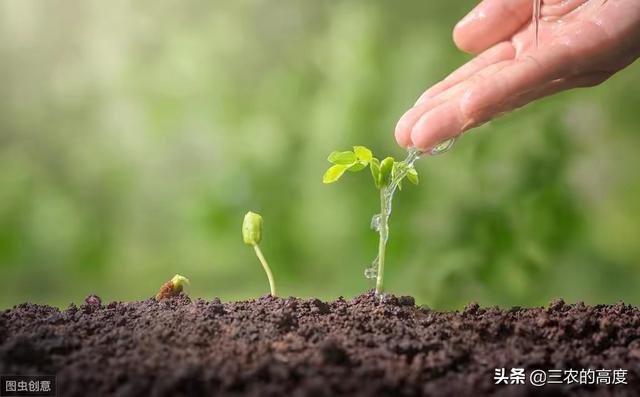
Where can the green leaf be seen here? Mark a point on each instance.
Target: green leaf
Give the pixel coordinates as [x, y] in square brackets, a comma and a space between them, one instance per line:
[374, 165]
[365, 155]
[386, 166]
[412, 176]
[347, 157]
[355, 167]
[334, 173]
[397, 166]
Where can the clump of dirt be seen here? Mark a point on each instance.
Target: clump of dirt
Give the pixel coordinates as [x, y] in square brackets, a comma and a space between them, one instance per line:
[281, 347]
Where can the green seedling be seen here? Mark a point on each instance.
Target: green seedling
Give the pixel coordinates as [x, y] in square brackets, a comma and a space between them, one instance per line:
[387, 175]
[172, 287]
[252, 235]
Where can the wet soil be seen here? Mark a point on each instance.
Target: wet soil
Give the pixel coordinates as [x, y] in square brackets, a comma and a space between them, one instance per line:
[293, 347]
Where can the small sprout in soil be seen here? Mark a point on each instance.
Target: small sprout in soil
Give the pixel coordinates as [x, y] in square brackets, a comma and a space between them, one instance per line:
[387, 175]
[252, 235]
[172, 287]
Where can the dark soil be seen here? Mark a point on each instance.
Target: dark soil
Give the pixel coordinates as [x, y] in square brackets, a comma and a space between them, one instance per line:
[293, 347]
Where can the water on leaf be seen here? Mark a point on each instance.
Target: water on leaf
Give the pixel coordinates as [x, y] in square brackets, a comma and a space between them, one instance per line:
[375, 222]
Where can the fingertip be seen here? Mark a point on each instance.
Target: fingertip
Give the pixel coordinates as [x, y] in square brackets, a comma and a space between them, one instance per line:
[460, 38]
[436, 126]
[403, 130]
[465, 33]
[403, 139]
[421, 134]
[420, 137]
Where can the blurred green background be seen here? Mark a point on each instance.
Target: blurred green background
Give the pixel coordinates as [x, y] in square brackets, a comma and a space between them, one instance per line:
[135, 135]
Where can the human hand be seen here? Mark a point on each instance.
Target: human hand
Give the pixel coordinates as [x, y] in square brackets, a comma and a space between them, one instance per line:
[581, 43]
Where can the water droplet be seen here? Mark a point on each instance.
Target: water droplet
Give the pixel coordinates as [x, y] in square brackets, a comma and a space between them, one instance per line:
[372, 270]
[370, 273]
[443, 147]
[412, 155]
[375, 222]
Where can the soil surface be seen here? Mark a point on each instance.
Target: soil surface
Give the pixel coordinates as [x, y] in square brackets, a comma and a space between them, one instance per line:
[294, 347]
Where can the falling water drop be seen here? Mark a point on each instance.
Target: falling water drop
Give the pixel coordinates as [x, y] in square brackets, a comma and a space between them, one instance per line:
[370, 273]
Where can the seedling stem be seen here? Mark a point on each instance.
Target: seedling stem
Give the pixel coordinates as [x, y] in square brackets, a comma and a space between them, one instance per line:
[382, 243]
[252, 235]
[267, 269]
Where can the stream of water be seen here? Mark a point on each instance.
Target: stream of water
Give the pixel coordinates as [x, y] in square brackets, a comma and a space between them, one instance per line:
[380, 221]
[537, 5]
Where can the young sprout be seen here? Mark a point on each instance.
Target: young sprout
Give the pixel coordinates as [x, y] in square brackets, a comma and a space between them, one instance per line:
[252, 235]
[172, 287]
[387, 175]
